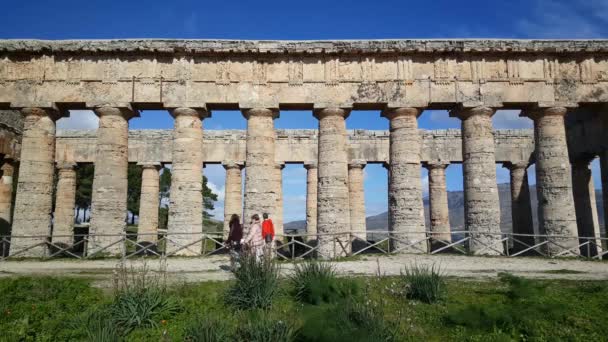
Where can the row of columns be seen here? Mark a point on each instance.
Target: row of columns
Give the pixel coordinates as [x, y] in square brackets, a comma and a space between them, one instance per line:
[338, 185]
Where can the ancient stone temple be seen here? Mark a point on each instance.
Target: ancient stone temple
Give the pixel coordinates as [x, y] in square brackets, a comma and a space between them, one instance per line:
[561, 85]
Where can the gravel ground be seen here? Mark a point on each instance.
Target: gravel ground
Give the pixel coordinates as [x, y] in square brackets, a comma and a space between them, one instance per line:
[215, 268]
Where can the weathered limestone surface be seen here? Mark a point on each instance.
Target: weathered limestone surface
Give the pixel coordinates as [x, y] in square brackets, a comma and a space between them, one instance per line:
[585, 207]
[311, 199]
[109, 195]
[604, 177]
[147, 230]
[186, 202]
[521, 207]
[333, 213]
[233, 199]
[65, 200]
[6, 195]
[406, 211]
[556, 213]
[32, 215]
[278, 216]
[438, 203]
[260, 174]
[357, 199]
[482, 210]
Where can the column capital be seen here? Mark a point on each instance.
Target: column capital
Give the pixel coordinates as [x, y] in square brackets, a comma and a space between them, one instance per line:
[52, 113]
[515, 165]
[392, 113]
[231, 164]
[582, 161]
[464, 113]
[61, 166]
[310, 165]
[260, 112]
[200, 113]
[539, 112]
[386, 165]
[433, 165]
[279, 165]
[357, 164]
[150, 165]
[320, 113]
[124, 111]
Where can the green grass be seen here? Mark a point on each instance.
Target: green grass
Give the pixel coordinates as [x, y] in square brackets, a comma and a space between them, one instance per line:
[57, 309]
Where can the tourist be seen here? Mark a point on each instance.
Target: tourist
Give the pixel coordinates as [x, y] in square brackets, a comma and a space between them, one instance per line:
[267, 229]
[254, 239]
[236, 233]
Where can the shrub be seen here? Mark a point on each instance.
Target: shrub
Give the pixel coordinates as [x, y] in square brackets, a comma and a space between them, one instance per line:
[208, 330]
[262, 328]
[424, 283]
[316, 282]
[256, 283]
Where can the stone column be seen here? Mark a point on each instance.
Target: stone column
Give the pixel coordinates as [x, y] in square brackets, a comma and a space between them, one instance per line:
[556, 213]
[233, 199]
[604, 174]
[260, 173]
[6, 196]
[109, 195]
[438, 203]
[311, 199]
[277, 220]
[521, 208]
[65, 202]
[585, 207]
[333, 213]
[185, 224]
[405, 207]
[482, 209]
[147, 230]
[32, 214]
[357, 199]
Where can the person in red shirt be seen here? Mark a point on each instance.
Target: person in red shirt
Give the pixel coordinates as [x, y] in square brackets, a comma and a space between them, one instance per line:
[267, 229]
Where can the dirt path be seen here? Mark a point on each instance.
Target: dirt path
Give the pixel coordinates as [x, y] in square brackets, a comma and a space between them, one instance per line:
[214, 268]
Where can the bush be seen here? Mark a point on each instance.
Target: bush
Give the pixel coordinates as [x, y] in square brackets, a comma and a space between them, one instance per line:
[208, 330]
[316, 282]
[262, 328]
[424, 283]
[256, 283]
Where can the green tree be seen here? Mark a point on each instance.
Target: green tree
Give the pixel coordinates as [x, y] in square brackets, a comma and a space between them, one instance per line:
[134, 190]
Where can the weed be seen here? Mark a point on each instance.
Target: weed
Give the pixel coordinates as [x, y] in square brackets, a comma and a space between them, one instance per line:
[424, 283]
[316, 282]
[256, 283]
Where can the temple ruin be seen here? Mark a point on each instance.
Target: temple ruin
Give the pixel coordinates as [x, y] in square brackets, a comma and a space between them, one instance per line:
[561, 85]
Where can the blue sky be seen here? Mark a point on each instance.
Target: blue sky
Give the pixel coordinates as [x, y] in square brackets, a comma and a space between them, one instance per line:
[380, 19]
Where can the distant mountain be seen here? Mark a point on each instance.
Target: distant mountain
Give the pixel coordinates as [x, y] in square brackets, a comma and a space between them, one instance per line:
[456, 207]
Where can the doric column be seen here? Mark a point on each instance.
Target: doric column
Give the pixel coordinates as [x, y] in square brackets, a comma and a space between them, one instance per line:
[585, 206]
[604, 174]
[438, 203]
[185, 224]
[311, 199]
[405, 207]
[521, 207]
[357, 199]
[556, 213]
[233, 199]
[278, 216]
[260, 173]
[7, 171]
[333, 213]
[65, 201]
[109, 195]
[32, 214]
[147, 230]
[482, 209]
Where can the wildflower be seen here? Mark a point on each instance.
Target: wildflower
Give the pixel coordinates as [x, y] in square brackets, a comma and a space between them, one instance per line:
[8, 312]
[163, 322]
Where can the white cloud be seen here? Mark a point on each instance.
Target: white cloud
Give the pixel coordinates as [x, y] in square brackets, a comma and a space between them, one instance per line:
[79, 119]
[510, 119]
[565, 19]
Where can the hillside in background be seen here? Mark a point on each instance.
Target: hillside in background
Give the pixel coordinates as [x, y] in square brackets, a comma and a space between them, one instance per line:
[456, 206]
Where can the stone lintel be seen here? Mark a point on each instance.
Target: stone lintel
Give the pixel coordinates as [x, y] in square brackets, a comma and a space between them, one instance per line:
[463, 112]
[357, 164]
[394, 112]
[260, 111]
[124, 110]
[201, 113]
[331, 111]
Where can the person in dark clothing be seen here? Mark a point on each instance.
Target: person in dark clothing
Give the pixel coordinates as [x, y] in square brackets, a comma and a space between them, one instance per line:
[236, 232]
